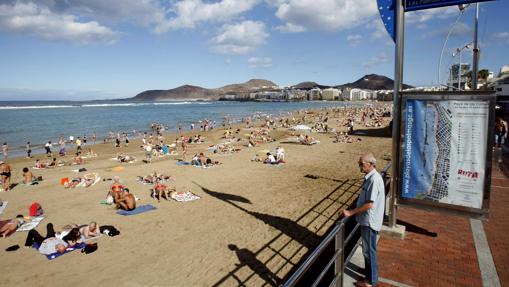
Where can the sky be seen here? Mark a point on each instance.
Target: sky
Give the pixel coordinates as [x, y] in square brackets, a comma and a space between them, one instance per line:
[96, 49]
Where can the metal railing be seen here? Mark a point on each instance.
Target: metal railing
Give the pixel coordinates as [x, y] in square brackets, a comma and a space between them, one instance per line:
[337, 234]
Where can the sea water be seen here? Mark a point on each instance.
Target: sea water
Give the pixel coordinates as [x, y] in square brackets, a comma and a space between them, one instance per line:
[39, 122]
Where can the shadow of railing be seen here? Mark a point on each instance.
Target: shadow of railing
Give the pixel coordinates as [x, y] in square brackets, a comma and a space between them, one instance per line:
[280, 255]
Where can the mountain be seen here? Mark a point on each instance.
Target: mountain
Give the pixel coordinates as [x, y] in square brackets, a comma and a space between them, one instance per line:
[308, 86]
[188, 92]
[254, 84]
[372, 82]
[185, 92]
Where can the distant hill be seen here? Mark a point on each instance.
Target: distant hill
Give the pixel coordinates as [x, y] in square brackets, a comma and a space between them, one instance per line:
[372, 82]
[188, 92]
[309, 86]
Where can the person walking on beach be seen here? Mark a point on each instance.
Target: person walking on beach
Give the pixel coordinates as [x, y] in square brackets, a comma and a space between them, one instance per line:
[5, 150]
[47, 146]
[5, 173]
[28, 150]
[94, 137]
[369, 213]
[78, 144]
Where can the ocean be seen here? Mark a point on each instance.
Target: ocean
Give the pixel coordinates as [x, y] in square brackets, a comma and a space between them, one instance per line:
[41, 121]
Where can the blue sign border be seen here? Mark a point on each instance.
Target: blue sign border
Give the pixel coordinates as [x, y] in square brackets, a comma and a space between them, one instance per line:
[413, 5]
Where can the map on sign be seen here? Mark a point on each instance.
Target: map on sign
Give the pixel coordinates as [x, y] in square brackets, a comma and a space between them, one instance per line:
[413, 5]
[445, 151]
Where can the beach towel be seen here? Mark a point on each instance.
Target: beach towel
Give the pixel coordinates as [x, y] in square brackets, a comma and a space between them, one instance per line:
[3, 207]
[183, 163]
[184, 196]
[118, 168]
[31, 224]
[137, 210]
[57, 254]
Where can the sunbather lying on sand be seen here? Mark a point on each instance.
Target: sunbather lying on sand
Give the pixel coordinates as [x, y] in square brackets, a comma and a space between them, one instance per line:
[91, 230]
[8, 227]
[125, 158]
[151, 178]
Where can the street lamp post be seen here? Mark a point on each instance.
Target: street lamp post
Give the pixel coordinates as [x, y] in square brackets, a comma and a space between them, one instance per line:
[458, 52]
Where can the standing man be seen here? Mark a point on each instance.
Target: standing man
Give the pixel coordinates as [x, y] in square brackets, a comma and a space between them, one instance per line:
[47, 146]
[28, 150]
[5, 173]
[5, 150]
[369, 212]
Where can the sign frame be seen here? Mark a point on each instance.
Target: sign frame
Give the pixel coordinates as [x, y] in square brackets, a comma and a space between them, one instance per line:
[436, 4]
[471, 212]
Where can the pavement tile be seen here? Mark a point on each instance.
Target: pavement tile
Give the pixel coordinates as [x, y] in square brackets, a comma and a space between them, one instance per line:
[449, 258]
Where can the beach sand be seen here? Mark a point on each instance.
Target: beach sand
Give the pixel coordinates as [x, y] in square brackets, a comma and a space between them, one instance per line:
[253, 223]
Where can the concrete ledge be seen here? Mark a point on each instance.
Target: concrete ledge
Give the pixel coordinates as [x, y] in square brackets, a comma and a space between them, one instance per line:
[397, 232]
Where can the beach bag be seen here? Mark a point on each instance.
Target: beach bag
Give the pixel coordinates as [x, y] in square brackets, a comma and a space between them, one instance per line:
[36, 209]
[89, 248]
[109, 199]
[64, 181]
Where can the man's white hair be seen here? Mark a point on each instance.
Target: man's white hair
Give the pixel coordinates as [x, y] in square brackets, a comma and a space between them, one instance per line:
[369, 157]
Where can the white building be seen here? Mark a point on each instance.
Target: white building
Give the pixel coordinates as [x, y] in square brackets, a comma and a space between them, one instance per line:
[453, 76]
[330, 94]
[358, 95]
[315, 94]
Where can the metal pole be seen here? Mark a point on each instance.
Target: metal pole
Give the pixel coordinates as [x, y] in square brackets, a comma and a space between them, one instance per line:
[339, 268]
[475, 61]
[396, 109]
[459, 71]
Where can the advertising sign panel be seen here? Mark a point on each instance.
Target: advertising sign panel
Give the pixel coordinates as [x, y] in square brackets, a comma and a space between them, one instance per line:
[445, 152]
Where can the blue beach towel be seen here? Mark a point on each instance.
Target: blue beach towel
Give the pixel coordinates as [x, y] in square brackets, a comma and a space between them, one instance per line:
[138, 210]
[183, 163]
[57, 254]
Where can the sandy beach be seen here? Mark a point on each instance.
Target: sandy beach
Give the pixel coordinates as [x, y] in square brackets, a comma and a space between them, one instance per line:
[252, 224]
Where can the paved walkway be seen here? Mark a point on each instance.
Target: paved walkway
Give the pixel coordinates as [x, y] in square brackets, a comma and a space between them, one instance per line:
[440, 249]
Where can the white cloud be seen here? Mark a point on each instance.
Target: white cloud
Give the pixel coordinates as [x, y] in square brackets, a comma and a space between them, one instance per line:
[501, 36]
[379, 59]
[239, 38]
[290, 28]
[425, 15]
[136, 12]
[29, 18]
[323, 15]
[378, 28]
[354, 40]
[189, 13]
[256, 62]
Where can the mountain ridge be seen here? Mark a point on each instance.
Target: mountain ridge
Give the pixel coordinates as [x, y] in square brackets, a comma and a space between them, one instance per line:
[191, 92]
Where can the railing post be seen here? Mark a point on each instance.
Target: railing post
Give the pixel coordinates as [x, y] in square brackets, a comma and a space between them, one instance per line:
[339, 266]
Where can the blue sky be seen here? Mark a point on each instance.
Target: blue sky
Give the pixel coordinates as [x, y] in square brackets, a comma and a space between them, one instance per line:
[95, 49]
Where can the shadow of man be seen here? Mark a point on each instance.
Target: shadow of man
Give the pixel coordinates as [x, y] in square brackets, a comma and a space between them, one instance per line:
[248, 258]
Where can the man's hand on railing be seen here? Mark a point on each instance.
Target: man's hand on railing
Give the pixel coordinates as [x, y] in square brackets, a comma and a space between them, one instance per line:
[347, 213]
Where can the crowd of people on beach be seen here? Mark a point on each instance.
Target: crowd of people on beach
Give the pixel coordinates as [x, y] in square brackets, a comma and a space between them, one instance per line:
[252, 131]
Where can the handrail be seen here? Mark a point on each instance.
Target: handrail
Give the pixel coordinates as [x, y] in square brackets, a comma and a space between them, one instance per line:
[299, 273]
[317, 252]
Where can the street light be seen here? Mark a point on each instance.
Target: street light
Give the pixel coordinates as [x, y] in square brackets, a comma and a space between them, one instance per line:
[458, 52]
